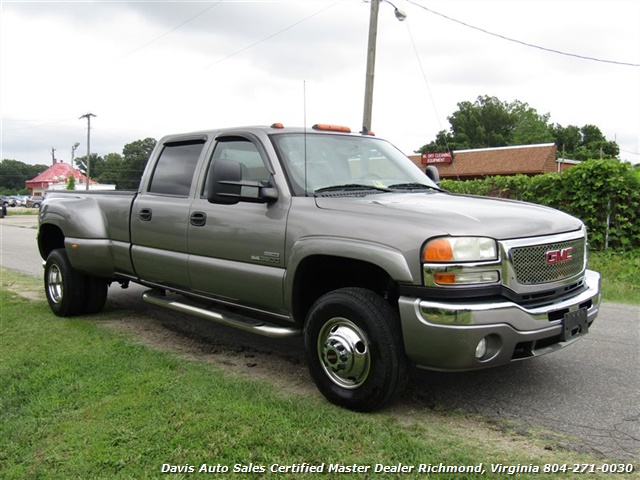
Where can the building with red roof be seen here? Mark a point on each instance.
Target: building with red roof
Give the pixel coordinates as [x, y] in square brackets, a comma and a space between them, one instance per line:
[56, 177]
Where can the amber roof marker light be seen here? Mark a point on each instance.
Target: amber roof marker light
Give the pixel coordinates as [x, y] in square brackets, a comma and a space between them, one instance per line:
[331, 128]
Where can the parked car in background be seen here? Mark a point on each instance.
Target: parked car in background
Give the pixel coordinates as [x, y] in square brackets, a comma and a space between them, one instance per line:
[8, 201]
[34, 201]
[21, 200]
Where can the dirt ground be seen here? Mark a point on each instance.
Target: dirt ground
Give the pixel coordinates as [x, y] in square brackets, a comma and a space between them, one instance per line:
[278, 361]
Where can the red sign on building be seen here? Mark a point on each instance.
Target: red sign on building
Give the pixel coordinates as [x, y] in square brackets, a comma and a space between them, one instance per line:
[437, 157]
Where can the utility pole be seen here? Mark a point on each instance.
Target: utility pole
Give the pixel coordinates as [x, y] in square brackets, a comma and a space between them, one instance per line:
[371, 66]
[371, 59]
[53, 156]
[88, 117]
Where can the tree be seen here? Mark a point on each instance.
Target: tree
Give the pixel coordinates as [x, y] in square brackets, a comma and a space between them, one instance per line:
[123, 170]
[567, 138]
[489, 122]
[71, 182]
[135, 156]
[14, 175]
[584, 143]
[530, 127]
[95, 168]
[111, 172]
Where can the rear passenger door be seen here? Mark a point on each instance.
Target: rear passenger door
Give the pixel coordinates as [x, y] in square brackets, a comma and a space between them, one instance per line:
[160, 214]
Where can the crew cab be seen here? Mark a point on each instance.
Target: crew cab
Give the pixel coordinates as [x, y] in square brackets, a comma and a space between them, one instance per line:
[335, 236]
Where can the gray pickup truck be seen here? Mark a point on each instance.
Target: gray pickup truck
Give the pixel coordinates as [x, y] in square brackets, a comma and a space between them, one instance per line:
[335, 236]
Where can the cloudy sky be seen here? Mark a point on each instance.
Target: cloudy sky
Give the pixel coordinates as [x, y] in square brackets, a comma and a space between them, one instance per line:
[149, 68]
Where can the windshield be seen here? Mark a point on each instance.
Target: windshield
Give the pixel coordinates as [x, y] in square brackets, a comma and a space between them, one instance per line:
[317, 163]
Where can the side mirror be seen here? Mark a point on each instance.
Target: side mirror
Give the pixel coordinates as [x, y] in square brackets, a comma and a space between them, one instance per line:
[433, 174]
[223, 182]
[225, 185]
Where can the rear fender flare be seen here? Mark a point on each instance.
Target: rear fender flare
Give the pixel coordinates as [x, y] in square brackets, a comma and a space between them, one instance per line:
[76, 216]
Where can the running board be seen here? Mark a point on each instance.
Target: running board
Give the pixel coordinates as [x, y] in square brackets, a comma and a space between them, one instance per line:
[249, 325]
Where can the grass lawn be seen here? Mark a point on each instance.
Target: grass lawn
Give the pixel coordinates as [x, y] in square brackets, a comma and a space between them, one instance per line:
[11, 211]
[79, 400]
[620, 275]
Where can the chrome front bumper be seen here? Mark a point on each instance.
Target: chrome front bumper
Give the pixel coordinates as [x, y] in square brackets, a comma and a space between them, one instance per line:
[446, 335]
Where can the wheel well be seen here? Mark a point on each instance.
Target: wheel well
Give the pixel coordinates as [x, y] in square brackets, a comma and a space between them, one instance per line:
[320, 274]
[50, 237]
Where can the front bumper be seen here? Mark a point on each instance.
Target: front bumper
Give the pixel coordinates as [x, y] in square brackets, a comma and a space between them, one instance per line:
[445, 335]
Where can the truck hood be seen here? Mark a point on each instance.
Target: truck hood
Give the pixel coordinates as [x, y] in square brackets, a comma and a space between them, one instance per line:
[459, 214]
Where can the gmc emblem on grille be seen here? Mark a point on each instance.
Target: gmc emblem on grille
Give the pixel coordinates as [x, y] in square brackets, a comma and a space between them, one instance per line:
[557, 256]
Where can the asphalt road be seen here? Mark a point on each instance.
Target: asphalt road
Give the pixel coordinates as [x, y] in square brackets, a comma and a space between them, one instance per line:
[589, 392]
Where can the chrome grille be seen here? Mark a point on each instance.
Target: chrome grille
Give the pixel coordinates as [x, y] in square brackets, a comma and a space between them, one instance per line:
[545, 263]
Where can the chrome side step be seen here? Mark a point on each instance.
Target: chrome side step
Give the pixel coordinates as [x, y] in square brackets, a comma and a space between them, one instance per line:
[261, 328]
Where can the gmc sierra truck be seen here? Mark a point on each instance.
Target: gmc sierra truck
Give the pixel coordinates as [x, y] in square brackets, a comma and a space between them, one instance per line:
[335, 236]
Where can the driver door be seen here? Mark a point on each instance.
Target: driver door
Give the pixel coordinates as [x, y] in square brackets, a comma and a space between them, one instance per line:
[236, 252]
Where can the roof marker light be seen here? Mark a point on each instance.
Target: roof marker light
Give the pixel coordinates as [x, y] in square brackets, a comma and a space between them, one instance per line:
[331, 128]
[277, 125]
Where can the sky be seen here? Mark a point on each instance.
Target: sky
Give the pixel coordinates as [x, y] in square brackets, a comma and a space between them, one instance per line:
[152, 68]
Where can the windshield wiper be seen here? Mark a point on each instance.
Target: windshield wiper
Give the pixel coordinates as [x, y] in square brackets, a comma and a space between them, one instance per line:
[351, 186]
[413, 186]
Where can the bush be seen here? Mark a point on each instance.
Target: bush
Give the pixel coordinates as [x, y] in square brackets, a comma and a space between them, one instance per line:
[605, 194]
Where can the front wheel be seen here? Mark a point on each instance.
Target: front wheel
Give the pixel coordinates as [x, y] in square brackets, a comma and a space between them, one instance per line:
[355, 349]
[63, 285]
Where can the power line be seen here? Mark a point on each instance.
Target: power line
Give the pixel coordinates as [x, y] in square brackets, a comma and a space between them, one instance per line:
[27, 127]
[242, 50]
[629, 152]
[168, 31]
[520, 42]
[426, 81]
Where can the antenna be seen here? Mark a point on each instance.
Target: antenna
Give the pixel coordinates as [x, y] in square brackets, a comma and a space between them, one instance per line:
[304, 120]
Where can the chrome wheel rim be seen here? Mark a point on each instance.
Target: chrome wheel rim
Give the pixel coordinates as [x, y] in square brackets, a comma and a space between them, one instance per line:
[55, 287]
[344, 354]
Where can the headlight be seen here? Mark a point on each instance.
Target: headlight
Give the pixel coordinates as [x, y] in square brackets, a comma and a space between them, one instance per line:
[460, 261]
[460, 249]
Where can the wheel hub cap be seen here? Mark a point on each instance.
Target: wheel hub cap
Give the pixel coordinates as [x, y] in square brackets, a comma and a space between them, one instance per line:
[344, 353]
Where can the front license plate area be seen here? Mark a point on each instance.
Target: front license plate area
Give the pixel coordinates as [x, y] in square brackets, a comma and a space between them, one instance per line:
[574, 324]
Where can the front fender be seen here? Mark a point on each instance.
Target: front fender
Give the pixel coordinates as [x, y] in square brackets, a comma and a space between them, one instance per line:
[387, 258]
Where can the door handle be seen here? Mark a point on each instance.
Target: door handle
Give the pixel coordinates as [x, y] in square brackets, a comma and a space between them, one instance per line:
[145, 214]
[198, 219]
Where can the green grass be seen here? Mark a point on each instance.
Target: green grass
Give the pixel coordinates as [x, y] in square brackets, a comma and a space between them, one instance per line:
[12, 211]
[620, 275]
[80, 400]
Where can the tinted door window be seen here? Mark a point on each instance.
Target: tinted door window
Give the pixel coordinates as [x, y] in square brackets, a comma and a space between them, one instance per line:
[244, 152]
[175, 168]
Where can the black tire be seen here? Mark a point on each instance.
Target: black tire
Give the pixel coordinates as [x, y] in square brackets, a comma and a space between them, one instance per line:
[95, 294]
[354, 349]
[63, 285]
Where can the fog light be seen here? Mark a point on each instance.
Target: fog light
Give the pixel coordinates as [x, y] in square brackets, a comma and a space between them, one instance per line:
[488, 348]
[481, 349]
